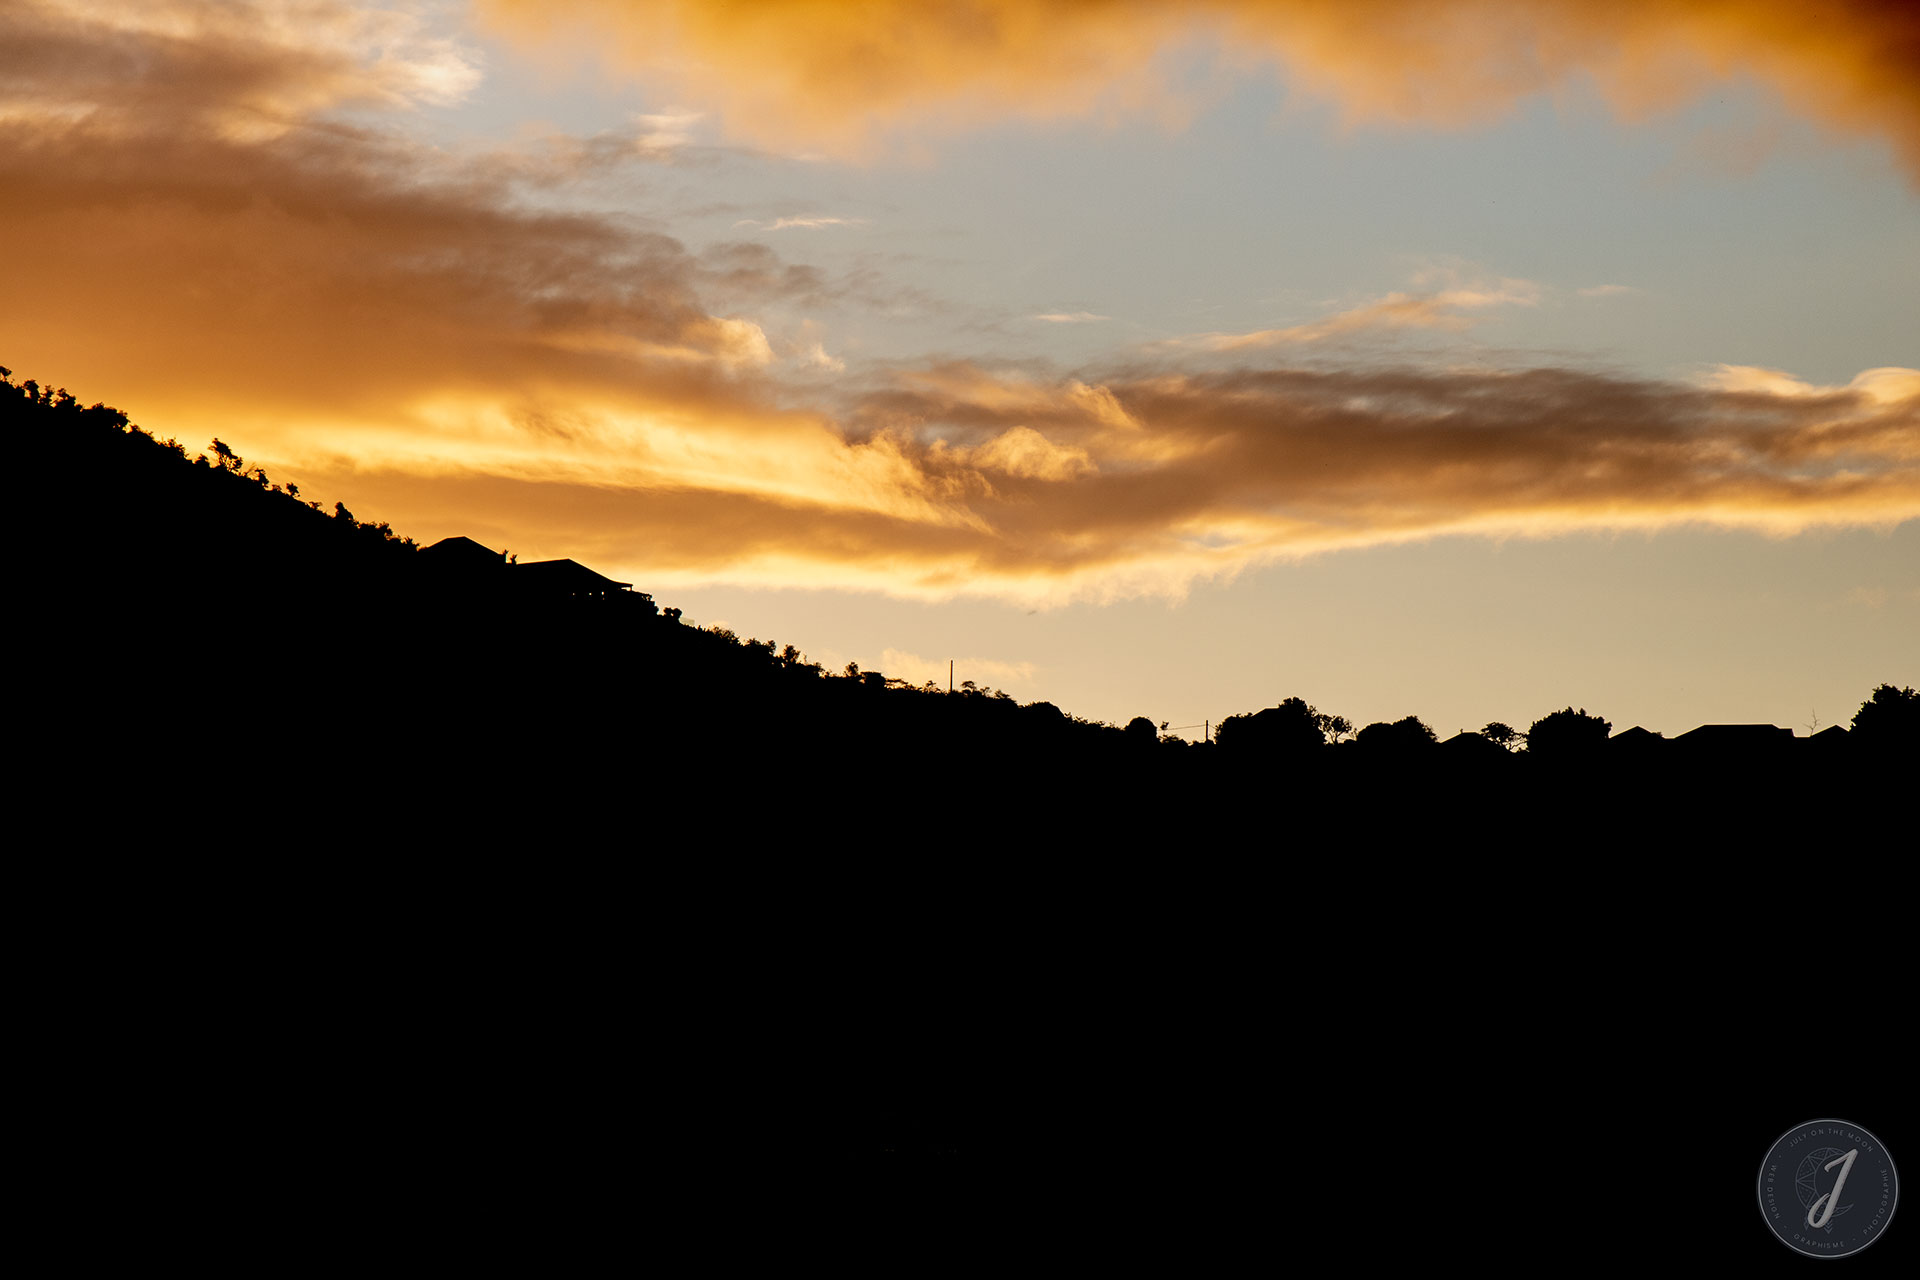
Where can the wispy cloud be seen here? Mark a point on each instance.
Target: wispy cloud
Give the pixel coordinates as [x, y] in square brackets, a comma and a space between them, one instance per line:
[1884, 386]
[809, 223]
[664, 131]
[1868, 597]
[1071, 317]
[814, 355]
[1448, 309]
[1606, 290]
[245, 70]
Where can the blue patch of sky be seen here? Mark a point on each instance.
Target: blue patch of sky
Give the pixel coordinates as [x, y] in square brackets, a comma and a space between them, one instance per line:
[1253, 218]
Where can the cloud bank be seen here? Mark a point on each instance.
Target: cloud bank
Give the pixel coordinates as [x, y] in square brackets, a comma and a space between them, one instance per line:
[201, 226]
[200, 232]
[967, 481]
[854, 77]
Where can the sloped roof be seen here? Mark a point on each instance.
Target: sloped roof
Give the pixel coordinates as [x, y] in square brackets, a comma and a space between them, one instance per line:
[461, 551]
[1736, 737]
[565, 577]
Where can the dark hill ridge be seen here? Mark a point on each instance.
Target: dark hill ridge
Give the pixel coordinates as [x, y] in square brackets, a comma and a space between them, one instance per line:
[399, 873]
[236, 629]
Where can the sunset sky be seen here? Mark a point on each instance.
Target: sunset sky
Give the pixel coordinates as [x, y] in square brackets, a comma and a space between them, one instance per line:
[1446, 358]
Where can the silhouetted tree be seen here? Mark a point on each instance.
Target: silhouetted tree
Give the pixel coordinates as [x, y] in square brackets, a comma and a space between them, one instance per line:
[1566, 733]
[1503, 735]
[1402, 737]
[1333, 728]
[1291, 727]
[1140, 729]
[1889, 718]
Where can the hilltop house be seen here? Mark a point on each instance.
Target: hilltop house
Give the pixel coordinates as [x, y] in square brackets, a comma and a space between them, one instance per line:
[463, 564]
[564, 578]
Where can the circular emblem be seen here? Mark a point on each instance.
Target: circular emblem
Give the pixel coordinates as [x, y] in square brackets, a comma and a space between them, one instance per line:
[1828, 1188]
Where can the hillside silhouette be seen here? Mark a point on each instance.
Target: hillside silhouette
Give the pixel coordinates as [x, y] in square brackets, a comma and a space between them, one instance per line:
[240, 635]
[465, 855]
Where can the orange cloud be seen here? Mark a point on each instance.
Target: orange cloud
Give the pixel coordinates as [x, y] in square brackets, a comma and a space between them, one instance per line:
[243, 71]
[850, 77]
[401, 331]
[966, 482]
[203, 235]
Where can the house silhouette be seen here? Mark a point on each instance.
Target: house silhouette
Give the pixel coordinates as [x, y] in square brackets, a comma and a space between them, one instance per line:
[461, 564]
[564, 578]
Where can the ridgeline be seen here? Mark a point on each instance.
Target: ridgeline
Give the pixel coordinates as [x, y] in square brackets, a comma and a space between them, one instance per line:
[453, 810]
[223, 630]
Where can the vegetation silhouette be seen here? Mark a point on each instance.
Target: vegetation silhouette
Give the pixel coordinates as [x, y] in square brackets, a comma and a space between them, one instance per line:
[336, 659]
[1404, 739]
[1890, 718]
[486, 826]
[1567, 733]
[1502, 735]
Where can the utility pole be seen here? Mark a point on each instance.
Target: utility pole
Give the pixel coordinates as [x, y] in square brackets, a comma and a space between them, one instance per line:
[949, 675]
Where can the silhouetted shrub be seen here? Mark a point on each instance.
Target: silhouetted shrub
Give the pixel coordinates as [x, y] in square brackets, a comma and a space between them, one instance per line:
[1567, 732]
[1402, 737]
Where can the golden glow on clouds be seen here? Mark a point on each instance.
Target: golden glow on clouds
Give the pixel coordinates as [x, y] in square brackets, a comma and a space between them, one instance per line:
[406, 330]
[852, 77]
[1878, 386]
[1024, 453]
[958, 494]
[249, 70]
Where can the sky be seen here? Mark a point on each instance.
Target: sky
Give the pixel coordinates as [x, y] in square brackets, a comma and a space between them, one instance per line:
[1451, 358]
